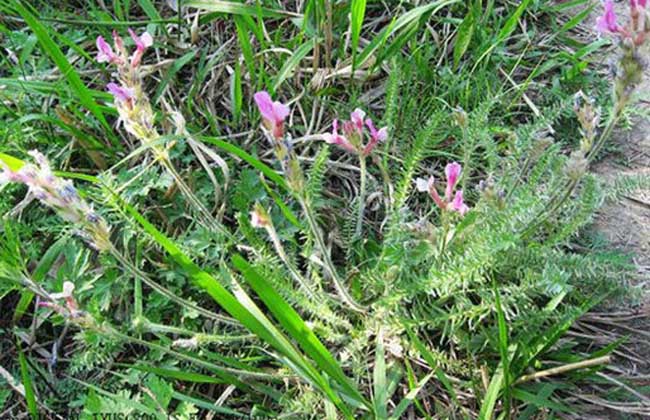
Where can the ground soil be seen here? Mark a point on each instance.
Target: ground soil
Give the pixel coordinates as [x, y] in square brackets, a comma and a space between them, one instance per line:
[625, 225]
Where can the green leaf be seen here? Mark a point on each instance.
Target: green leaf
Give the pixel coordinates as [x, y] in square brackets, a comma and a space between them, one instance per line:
[241, 307]
[208, 405]
[403, 21]
[380, 392]
[357, 14]
[409, 398]
[539, 400]
[69, 72]
[293, 62]
[27, 384]
[243, 36]
[464, 36]
[181, 375]
[490, 399]
[503, 344]
[248, 158]
[296, 327]
[236, 8]
[236, 96]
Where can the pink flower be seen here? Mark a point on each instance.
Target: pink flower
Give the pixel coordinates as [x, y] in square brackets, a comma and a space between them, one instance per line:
[105, 52]
[142, 42]
[452, 171]
[357, 117]
[458, 204]
[335, 138]
[121, 93]
[607, 22]
[273, 113]
[424, 185]
[376, 136]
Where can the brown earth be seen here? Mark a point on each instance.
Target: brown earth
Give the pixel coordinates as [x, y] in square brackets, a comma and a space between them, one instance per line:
[625, 225]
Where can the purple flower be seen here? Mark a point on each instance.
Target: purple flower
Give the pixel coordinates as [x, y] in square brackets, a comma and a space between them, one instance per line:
[105, 52]
[120, 93]
[273, 113]
[607, 22]
[143, 41]
[452, 171]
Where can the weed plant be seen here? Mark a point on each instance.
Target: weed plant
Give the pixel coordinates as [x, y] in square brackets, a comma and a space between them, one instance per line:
[220, 239]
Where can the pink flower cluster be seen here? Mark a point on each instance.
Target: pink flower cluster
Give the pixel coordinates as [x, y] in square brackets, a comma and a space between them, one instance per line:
[273, 114]
[452, 172]
[123, 93]
[637, 28]
[353, 133]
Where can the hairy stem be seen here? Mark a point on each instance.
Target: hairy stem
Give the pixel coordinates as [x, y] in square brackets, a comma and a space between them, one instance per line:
[362, 196]
[329, 266]
[165, 292]
[204, 214]
[297, 276]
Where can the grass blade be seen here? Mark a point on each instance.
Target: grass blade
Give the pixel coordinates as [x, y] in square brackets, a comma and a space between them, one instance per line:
[28, 385]
[235, 8]
[380, 393]
[293, 62]
[357, 14]
[296, 327]
[409, 398]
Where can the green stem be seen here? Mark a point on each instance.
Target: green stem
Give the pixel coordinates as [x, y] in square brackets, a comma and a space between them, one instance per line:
[279, 249]
[205, 338]
[329, 266]
[204, 214]
[467, 157]
[362, 195]
[163, 291]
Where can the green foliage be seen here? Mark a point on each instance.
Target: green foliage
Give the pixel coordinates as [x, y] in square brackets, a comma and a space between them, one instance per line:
[183, 320]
